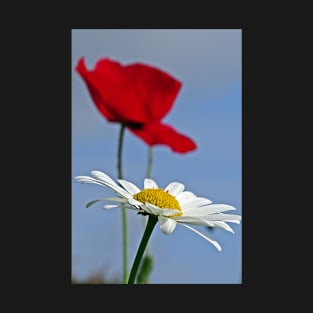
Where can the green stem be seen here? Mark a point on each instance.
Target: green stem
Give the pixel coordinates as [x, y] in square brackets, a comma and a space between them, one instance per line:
[150, 159]
[119, 152]
[152, 220]
[124, 213]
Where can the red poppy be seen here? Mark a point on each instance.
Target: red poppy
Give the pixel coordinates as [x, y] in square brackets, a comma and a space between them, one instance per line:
[137, 95]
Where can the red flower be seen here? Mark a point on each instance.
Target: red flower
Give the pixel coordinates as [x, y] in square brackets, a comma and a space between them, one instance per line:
[138, 96]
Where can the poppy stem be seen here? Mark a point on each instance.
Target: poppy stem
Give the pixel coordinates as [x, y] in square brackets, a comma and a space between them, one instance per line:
[119, 152]
[124, 213]
[152, 220]
[150, 160]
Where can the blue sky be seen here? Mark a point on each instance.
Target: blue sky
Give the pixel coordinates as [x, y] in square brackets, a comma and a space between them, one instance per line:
[208, 109]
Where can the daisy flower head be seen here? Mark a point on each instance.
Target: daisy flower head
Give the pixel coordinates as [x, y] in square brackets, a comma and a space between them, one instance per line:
[171, 206]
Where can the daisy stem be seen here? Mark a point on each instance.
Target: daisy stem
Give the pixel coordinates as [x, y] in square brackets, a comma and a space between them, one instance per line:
[147, 261]
[152, 220]
[124, 213]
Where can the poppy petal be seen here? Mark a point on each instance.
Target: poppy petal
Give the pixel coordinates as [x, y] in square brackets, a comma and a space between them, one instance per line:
[161, 134]
[135, 93]
[95, 91]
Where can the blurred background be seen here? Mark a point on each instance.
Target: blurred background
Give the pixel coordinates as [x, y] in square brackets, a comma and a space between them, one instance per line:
[208, 109]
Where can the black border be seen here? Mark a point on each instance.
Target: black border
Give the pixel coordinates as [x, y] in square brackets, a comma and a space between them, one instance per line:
[53, 178]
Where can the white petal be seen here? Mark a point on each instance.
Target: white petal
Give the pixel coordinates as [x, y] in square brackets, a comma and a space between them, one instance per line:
[196, 220]
[194, 203]
[167, 225]
[185, 196]
[111, 206]
[213, 242]
[169, 212]
[86, 179]
[107, 183]
[233, 221]
[150, 184]
[175, 188]
[195, 211]
[149, 208]
[152, 209]
[91, 180]
[104, 177]
[223, 217]
[217, 208]
[223, 225]
[134, 202]
[202, 210]
[130, 187]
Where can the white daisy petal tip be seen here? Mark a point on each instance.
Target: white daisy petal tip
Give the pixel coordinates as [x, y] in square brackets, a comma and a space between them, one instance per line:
[83, 179]
[150, 184]
[103, 177]
[175, 188]
[110, 206]
[213, 242]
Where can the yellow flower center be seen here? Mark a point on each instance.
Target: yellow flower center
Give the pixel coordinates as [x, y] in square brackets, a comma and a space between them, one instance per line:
[159, 198]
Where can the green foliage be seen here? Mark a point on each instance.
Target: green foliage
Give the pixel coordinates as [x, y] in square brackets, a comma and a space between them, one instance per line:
[145, 270]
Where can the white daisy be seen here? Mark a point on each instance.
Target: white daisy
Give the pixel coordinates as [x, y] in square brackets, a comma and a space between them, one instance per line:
[171, 205]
